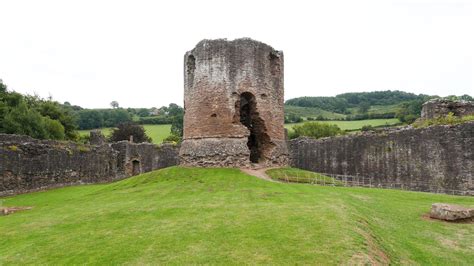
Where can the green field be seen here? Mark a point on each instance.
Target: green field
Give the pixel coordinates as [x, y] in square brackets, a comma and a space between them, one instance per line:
[378, 109]
[353, 125]
[315, 112]
[311, 112]
[156, 132]
[223, 216]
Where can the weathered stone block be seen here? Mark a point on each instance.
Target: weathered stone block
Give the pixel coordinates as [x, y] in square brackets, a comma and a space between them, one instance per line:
[450, 212]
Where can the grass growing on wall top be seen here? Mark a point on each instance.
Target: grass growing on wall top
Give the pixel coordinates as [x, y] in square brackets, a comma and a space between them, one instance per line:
[223, 216]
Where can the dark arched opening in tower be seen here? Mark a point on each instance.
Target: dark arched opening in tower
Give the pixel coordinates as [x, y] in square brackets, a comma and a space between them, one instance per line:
[258, 139]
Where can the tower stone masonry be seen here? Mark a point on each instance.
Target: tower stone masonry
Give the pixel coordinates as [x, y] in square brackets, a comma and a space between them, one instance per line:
[234, 105]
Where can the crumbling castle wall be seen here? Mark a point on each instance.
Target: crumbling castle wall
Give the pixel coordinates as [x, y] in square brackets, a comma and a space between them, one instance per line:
[433, 159]
[28, 164]
[442, 107]
[233, 101]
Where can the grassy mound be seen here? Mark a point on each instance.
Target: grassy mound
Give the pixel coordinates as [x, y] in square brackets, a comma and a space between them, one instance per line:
[222, 216]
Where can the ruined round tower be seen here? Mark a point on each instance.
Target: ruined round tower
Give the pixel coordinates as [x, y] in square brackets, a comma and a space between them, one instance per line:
[234, 106]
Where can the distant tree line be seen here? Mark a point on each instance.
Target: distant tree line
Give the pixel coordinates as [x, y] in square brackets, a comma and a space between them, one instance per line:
[409, 104]
[48, 119]
[99, 118]
[362, 100]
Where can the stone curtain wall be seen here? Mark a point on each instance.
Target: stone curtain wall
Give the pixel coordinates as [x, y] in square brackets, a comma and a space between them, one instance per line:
[27, 164]
[436, 159]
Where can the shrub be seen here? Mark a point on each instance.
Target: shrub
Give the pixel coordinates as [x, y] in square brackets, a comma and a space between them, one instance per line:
[315, 130]
[125, 130]
[367, 128]
[83, 139]
[54, 128]
[83, 148]
[177, 125]
[172, 138]
[292, 118]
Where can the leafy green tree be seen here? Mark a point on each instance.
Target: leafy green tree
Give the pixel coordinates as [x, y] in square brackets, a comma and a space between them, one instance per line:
[163, 110]
[364, 107]
[143, 112]
[127, 129]
[97, 118]
[114, 104]
[35, 117]
[466, 97]
[89, 119]
[24, 121]
[55, 111]
[54, 129]
[177, 125]
[315, 130]
[115, 117]
[410, 111]
[175, 110]
[3, 87]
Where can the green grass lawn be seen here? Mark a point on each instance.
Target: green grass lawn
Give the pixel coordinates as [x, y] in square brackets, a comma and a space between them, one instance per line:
[223, 216]
[352, 125]
[156, 132]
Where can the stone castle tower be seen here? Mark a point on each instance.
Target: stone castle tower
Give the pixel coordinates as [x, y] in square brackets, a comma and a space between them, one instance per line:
[233, 102]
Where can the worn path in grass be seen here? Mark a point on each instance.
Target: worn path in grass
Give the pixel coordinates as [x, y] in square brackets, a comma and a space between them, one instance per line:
[223, 216]
[259, 172]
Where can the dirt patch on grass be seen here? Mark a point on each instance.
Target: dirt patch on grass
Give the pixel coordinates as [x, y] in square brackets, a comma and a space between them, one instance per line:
[426, 217]
[11, 210]
[375, 255]
[361, 197]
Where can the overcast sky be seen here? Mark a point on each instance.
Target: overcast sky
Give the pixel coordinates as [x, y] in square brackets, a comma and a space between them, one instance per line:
[92, 52]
